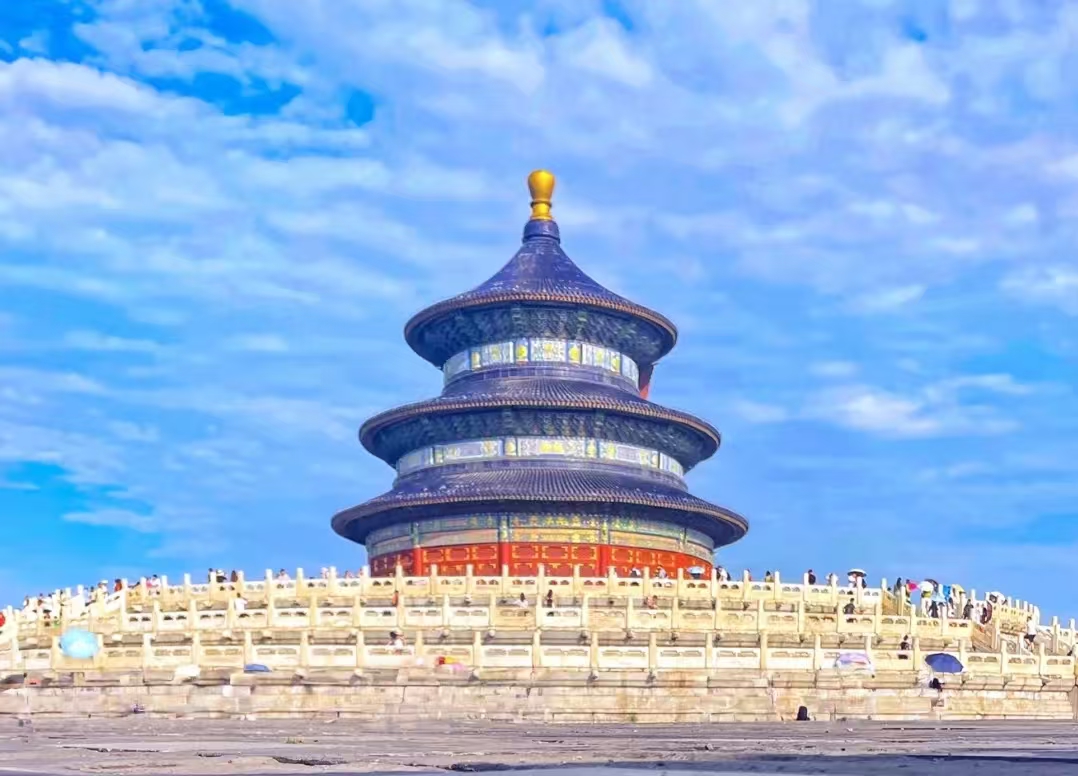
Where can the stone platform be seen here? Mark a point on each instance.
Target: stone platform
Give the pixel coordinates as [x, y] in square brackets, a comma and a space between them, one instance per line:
[141, 745]
[569, 697]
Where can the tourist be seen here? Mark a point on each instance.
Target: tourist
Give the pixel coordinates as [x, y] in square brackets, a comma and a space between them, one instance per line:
[234, 577]
[117, 585]
[1031, 633]
[810, 577]
[769, 577]
[522, 602]
[549, 599]
[635, 572]
[832, 579]
[153, 584]
[967, 610]
[282, 576]
[849, 608]
[904, 647]
[240, 605]
[349, 575]
[723, 575]
[396, 599]
[660, 573]
[396, 642]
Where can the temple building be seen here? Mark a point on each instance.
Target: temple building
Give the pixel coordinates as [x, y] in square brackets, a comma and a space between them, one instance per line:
[542, 448]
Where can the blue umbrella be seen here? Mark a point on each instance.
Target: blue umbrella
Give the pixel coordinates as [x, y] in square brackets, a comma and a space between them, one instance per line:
[942, 663]
[79, 644]
[256, 668]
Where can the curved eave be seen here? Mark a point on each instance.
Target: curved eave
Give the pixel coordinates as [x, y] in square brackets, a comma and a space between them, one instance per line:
[413, 329]
[734, 526]
[650, 411]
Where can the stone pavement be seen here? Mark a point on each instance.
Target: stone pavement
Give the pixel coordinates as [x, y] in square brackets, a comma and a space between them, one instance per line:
[140, 745]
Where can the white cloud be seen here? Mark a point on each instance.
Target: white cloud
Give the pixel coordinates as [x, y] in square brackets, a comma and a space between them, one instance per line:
[1053, 285]
[932, 412]
[114, 518]
[888, 300]
[833, 369]
[758, 412]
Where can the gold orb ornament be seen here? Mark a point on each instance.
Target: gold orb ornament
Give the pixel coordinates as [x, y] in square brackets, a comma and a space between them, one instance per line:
[541, 186]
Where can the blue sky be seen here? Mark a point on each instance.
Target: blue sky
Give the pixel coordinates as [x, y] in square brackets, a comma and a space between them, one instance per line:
[216, 217]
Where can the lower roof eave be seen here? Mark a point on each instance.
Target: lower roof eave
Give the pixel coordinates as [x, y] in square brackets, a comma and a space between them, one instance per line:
[722, 525]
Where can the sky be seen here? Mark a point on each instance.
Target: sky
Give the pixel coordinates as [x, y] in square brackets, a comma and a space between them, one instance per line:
[216, 217]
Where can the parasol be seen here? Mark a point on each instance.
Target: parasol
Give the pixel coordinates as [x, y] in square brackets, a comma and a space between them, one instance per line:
[943, 663]
[857, 572]
[79, 644]
[854, 661]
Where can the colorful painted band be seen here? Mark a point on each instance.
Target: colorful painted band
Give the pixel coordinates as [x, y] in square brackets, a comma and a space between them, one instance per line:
[536, 350]
[557, 560]
[514, 448]
[540, 529]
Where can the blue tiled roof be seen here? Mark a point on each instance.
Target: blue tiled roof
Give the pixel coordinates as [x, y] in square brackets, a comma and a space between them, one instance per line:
[542, 486]
[544, 393]
[539, 273]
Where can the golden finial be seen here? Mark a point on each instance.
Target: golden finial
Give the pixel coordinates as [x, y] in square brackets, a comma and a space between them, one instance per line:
[541, 186]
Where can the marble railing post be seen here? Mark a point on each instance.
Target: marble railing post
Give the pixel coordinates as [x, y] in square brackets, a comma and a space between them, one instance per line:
[147, 651]
[653, 651]
[760, 615]
[186, 585]
[192, 614]
[155, 617]
[271, 586]
[241, 583]
[248, 648]
[196, 648]
[763, 651]
[537, 649]
[447, 611]
[540, 578]
[503, 582]
[817, 652]
[709, 650]
[833, 593]
[917, 651]
[585, 610]
[477, 649]
[593, 650]
[398, 579]
[776, 586]
[301, 578]
[361, 648]
[331, 580]
[469, 579]
[576, 579]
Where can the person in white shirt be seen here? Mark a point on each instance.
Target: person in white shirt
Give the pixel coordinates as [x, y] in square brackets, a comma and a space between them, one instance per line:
[1031, 633]
[239, 603]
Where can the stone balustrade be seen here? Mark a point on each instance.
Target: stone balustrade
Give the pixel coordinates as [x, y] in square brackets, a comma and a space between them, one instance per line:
[314, 650]
[609, 608]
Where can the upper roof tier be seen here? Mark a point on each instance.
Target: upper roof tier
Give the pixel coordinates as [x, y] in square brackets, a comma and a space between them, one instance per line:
[540, 293]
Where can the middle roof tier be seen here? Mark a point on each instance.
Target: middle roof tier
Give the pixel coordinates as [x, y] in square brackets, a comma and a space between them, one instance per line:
[539, 407]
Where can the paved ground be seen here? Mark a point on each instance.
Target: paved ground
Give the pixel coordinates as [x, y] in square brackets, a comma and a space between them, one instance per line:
[138, 745]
